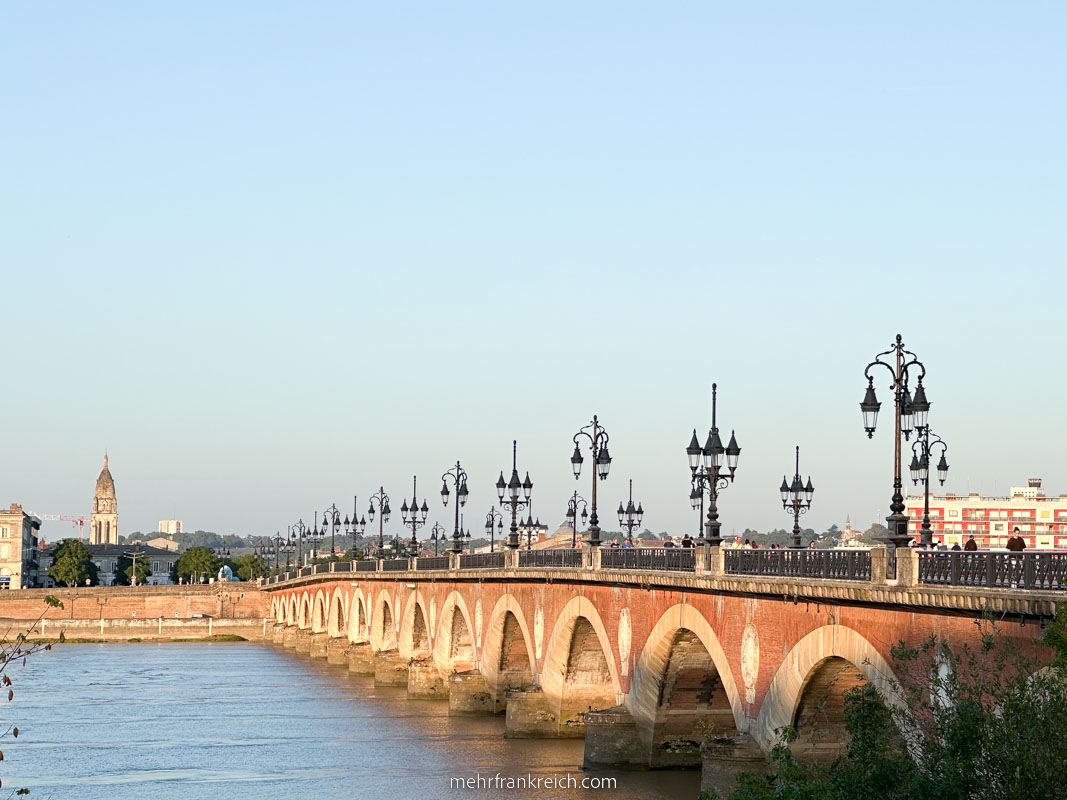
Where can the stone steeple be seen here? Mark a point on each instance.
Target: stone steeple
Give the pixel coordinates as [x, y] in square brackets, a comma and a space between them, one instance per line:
[104, 522]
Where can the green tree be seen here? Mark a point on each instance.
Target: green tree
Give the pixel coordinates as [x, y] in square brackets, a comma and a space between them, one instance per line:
[987, 722]
[194, 563]
[125, 567]
[72, 564]
[249, 567]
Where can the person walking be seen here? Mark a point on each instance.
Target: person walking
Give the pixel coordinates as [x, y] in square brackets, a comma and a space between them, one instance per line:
[1016, 544]
[971, 543]
[687, 541]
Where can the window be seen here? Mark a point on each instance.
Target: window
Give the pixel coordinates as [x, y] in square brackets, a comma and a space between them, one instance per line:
[953, 512]
[5, 551]
[4, 533]
[155, 566]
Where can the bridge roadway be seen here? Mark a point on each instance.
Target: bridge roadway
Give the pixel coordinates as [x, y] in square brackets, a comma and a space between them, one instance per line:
[658, 659]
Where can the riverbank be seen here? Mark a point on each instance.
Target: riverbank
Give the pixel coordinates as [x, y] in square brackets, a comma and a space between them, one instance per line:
[158, 629]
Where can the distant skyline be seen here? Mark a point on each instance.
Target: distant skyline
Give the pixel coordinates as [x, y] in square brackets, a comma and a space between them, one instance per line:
[270, 257]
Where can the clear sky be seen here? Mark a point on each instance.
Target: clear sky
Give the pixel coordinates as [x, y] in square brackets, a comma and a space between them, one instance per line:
[271, 256]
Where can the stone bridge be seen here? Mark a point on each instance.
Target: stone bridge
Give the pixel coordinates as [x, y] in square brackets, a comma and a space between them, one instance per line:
[649, 662]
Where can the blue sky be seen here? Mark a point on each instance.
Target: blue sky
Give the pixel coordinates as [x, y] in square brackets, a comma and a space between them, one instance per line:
[275, 255]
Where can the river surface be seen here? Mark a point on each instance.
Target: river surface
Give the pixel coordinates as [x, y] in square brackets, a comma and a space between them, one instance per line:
[243, 720]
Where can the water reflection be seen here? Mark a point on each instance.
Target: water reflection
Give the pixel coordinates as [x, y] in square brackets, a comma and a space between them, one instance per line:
[242, 721]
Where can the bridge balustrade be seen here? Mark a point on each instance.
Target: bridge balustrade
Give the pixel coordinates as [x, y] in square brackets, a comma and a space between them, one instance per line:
[320, 568]
[994, 570]
[844, 564]
[556, 557]
[341, 566]
[309, 570]
[483, 561]
[433, 562]
[676, 559]
[367, 566]
[395, 564]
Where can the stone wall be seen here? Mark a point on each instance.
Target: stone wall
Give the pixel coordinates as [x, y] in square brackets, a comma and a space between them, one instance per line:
[221, 601]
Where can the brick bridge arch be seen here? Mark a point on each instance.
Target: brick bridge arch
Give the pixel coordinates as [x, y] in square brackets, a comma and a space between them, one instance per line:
[676, 662]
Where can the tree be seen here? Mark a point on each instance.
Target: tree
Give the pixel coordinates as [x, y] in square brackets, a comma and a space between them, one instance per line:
[194, 564]
[72, 564]
[14, 652]
[987, 722]
[124, 569]
[249, 567]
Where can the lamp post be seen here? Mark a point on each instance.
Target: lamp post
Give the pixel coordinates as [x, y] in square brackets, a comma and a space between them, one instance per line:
[355, 526]
[911, 413]
[382, 499]
[458, 476]
[331, 518]
[494, 516]
[921, 455]
[630, 517]
[415, 517]
[598, 444]
[298, 533]
[572, 515]
[796, 499]
[518, 495]
[437, 534]
[314, 538]
[710, 478]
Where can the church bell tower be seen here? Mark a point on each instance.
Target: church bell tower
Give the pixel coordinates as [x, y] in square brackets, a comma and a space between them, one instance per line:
[104, 523]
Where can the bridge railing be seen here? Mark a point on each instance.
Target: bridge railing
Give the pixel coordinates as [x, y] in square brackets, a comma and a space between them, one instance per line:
[675, 559]
[994, 570]
[433, 562]
[367, 566]
[483, 561]
[341, 566]
[556, 557]
[308, 570]
[844, 564]
[395, 564]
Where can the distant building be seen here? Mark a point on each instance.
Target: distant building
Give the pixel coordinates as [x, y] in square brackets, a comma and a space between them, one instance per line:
[18, 548]
[104, 522]
[849, 537]
[106, 557]
[170, 527]
[1042, 520]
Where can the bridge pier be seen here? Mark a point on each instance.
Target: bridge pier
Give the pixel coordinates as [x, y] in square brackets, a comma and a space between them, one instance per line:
[303, 640]
[612, 739]
[723, 759]
[319, 642]
[530, 715]
[390, 668]
[277, 633]
[425, 681]
[361, 659]
[289, 636]
[468, 693]
[337, 651]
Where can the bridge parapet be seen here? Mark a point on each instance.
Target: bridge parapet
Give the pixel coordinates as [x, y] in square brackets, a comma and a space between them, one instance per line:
[1025, 583]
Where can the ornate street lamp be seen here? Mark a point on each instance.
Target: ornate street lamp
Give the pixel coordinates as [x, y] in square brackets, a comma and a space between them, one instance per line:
[458, 476]
[911, 413]
[518, 495]
[796, 499]
[572, 515]
[437, 534]
[494, 515]
[331, 518]
[355, 526]
[598, 445]
[415, 517]
[298, 533]
[630, 517]
[710, 479]
[922, 452]
[381, 499]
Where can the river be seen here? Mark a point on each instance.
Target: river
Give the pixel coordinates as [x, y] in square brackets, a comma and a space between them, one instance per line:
[243, 720]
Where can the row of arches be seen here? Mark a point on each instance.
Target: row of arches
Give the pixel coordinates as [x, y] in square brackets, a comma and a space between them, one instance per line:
[682, 687]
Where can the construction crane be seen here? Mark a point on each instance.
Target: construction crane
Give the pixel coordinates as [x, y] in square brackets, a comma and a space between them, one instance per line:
[78, 522]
